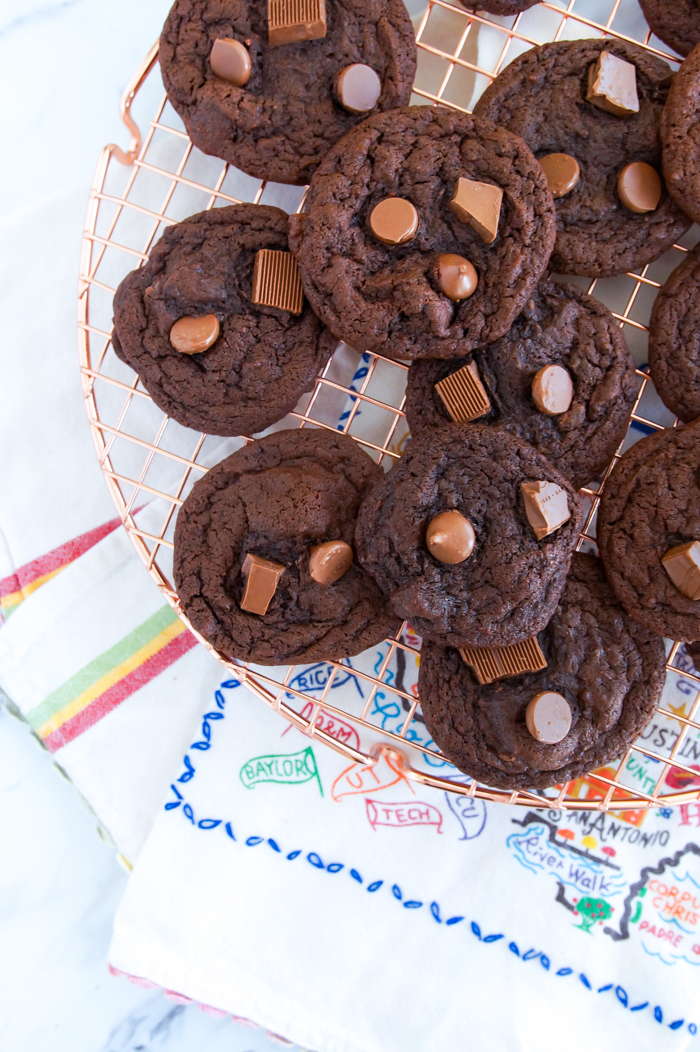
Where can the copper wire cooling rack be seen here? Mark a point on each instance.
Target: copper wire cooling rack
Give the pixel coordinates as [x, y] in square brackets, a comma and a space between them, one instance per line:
[150, 462]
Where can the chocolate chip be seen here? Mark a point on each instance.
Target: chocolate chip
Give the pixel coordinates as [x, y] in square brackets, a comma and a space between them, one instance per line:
[329, 561]
[230, 60]
[194, 335]
[552, 390]
[358, 88]
[639, 187]
[548, 717]
[393, 221]
[456, 276]
[562, 172]
[450, 537]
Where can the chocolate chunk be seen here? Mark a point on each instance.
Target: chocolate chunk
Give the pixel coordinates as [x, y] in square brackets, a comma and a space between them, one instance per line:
[562, 171]
[552, 390]
[682, 564]
[194, 335]
[289, 21]
[456, 276]
[546, 507]
[329, 561]
[639, 187]
[463, 394]
[478, 204]
[276, 281]
[450, 537]
[358, 88]
[230, 60]
[262, 577]
[393, 221]
[492, 663]
[548, 717]
[612, 85]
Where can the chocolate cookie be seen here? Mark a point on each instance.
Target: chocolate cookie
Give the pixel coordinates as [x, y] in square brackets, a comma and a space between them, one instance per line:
[451, 536]
[263, 552]
[674, 339]
[499, 7]
[275, 104]
[649, 532]
[676, 22]
[423, 233]
[197, 287]
[561, 379]
[611, 217]
[606, 674]
[680, 134]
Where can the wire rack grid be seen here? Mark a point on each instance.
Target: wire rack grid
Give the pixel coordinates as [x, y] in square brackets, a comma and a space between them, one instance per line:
[150, 463]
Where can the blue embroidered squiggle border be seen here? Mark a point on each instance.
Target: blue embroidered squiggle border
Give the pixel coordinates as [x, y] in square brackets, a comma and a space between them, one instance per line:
[315, 860]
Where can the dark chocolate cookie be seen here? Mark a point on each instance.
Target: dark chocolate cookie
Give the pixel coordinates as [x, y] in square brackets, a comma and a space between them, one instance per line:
[389, 298]
[542, 96]
[560, 326]
[676, 22]
[508, 587]
[498, 7]
[650, 505]
[674, 340]
[263, 359]
[282, 120]
[680, 134]
[609, 670]
[277, 499]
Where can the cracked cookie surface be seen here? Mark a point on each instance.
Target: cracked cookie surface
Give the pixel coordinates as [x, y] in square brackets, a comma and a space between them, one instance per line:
[276, 498]
[508, 588]
[560, 325]
[264, 358]
[384, 298]
[651, 502]
[542, 97]
[280, 124]
[610, 670]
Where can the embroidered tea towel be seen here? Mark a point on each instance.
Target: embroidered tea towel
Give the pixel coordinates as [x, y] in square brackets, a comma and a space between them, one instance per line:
[355, 911]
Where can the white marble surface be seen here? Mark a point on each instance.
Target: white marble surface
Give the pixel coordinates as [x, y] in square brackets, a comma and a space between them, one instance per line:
[59, 888]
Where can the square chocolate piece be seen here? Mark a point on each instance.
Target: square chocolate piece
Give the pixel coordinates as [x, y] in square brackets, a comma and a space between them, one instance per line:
[261, 576]
[492, 663]
[276, 281]
[463, 394]
[290, 21]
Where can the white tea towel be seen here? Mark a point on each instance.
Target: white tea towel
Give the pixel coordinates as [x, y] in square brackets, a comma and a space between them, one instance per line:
[355, 911]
